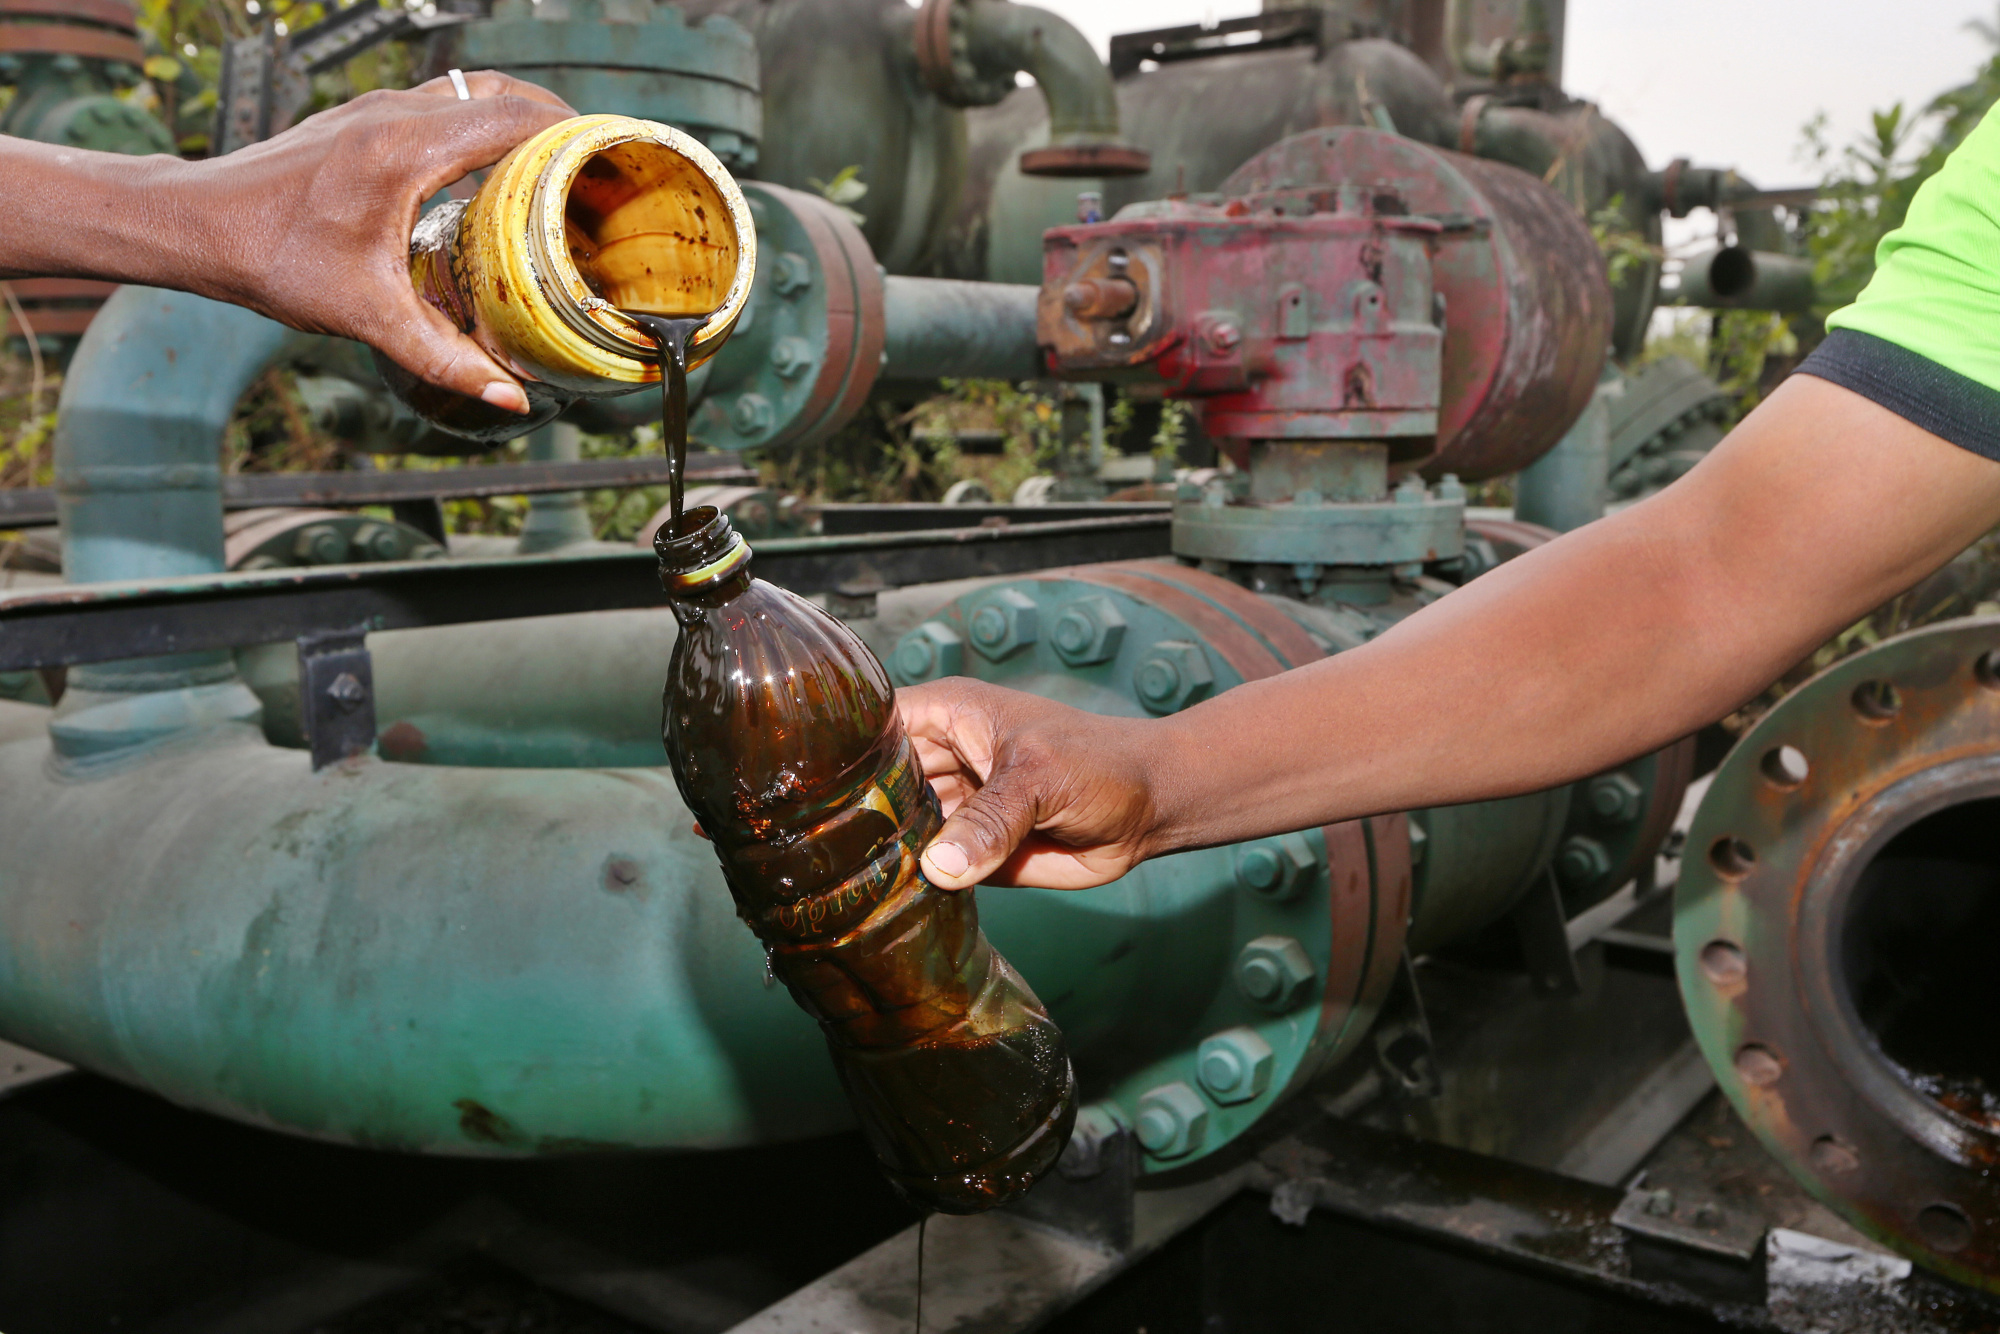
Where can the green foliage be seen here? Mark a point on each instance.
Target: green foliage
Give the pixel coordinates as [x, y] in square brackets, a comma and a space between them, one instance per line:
[1867, 185]
[843, 191]
[1626, 251]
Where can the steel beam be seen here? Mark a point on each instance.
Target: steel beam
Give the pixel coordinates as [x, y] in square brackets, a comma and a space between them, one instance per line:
[112, 621]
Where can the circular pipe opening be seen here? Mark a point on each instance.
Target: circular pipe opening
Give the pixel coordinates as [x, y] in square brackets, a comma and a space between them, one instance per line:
[1987, 669]
[1732, 272]
[1915, 958]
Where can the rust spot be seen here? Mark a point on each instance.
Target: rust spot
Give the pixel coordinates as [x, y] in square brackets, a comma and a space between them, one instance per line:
[500, 290]
[483, 1125]
[404, 741]
[1358, 386]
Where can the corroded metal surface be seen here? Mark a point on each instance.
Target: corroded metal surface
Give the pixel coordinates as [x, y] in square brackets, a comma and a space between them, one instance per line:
[1789, 915]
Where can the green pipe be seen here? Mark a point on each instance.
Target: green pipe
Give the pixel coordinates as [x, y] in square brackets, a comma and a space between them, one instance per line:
[941, 327]
[139, 495]
[1731, 277]
[1082, 101]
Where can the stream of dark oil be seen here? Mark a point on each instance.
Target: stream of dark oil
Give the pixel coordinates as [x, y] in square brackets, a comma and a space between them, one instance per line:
[922, 1224]
[673, 333]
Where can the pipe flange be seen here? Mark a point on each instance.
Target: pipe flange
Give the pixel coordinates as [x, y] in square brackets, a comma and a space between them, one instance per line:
[1388, 532]
[944, 58]
[1839, 871]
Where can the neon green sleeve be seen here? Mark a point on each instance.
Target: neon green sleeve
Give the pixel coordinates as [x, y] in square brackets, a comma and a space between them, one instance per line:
[1936, 289]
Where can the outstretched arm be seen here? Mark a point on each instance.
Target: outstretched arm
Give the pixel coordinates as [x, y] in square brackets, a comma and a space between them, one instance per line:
[311, 227]
[1609, 642]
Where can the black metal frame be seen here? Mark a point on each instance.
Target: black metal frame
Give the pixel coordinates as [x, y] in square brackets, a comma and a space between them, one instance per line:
[35, 507]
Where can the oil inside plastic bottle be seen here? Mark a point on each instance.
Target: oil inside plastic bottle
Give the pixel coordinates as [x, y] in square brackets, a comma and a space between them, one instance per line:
[786, 745]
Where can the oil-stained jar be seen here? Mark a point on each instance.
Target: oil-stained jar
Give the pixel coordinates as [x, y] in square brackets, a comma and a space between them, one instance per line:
[589, 219]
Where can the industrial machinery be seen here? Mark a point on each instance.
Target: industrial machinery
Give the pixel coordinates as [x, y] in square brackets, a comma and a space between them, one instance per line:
[384, 855]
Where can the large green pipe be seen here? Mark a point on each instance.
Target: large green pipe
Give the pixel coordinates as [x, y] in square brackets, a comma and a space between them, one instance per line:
[941, 327]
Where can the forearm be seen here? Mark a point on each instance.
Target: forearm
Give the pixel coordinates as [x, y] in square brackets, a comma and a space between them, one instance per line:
[100, 215]
[1603, 645]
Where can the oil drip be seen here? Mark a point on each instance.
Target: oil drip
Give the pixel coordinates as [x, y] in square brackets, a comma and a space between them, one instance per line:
[672, 334]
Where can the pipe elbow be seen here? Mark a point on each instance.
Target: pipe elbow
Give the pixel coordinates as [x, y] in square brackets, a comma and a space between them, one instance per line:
[968, 52]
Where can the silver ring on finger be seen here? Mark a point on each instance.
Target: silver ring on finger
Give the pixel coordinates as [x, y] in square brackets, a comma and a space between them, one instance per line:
[457, 78]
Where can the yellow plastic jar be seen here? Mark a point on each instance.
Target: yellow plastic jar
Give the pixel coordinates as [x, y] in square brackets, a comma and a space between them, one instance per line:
[591, 218]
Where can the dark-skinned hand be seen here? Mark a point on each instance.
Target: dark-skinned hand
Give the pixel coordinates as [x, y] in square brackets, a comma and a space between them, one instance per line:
[311, 227]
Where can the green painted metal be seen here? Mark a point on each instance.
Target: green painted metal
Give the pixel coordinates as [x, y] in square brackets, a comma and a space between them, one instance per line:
[634, 58]
[1567, 487]
[1411, 528]
[1735, 278]
[139, 492]
[65, 99]
[941, 328]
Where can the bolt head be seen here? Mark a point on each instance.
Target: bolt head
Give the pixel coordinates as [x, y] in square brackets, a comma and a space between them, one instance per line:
[1615, 798]
[1224, 336]
[320, 544]
[1173, 675]
[1235, 1065]
[1004, 624]
[1275, 972]
[752, 415]
[791, 274]
[1278, 869]
[1172, 1120]
[347, 691]
[1090, 630]
[1580, 860]
[791, 356]
[931, 650]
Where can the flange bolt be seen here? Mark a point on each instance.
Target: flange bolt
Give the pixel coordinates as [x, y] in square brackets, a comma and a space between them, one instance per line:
[1172, 1120]
[1615, 798]
[1173, 676]
[1274, 971]
[1004, 623]
[1276, 868]
[1581, 860]
[1090, 630]
[931, 650]
[1235, 1065]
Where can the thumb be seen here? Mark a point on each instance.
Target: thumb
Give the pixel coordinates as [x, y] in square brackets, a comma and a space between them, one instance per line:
[982, 833]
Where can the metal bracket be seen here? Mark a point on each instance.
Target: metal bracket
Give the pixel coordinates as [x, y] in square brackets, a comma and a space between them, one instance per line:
[1404, 1050]
[1090, 1194]
[1696, 1243]
[1543, 930]
[336, 694]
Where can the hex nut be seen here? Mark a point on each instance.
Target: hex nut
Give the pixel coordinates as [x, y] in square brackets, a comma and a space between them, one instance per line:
[1615, 798]
[320, 544]
[1235, 1065]
[791, 356]
[1276, 868]
[1174, 675]
[1275, 972]
[931, 650]
[378, 541]
[1003, 624]
[1097, 1125]
[1172, 1120]
[1089, 631]
[791, 274]
[752, 415]
[1580, 860]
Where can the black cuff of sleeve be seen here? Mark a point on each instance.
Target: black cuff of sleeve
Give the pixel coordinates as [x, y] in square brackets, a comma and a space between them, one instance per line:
[1915, 388]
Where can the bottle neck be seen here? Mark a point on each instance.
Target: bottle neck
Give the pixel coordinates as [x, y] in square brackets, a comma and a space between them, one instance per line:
[704, 561]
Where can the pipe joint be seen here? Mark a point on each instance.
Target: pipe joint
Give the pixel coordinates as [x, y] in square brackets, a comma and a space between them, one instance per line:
[968, 52]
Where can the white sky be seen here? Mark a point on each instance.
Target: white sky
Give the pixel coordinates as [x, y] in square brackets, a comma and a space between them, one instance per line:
[1727, 83]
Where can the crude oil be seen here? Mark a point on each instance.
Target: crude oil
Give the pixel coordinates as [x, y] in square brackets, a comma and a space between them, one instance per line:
[786, 745]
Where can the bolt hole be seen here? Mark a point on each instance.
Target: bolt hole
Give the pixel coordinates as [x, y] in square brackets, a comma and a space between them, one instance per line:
[1724, 963]
[1877, 701]
[1832, 1157]
[1732, 858]
[1758, 1065]
[1785, 767]
[1987, 669]
[1945, 1227]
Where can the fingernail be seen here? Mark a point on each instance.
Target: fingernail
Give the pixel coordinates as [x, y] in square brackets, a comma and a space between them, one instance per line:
[503, 395]
[947, 860]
